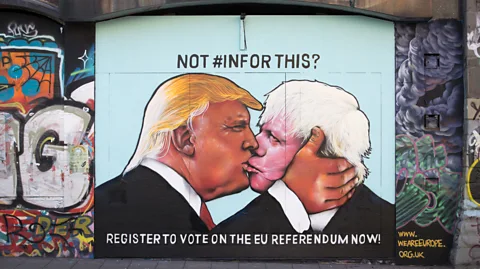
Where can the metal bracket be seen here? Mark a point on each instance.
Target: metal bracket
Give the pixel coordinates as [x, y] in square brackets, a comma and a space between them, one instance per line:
[243, 38]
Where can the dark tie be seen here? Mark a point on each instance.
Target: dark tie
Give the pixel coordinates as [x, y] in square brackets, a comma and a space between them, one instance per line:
[206, 217]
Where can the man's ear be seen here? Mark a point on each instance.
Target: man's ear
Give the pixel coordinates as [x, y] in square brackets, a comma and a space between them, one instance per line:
[182, 139]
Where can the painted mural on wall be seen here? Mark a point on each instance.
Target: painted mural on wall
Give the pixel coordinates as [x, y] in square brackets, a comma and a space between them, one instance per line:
[473, 37]
[246, 165]
[429, 128]
[468, 234]
[46, 187]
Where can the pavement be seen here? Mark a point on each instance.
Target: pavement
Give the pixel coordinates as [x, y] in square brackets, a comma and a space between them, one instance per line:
[64, 263]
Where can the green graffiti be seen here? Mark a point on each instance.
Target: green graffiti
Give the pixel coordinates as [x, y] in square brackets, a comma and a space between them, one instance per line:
[429, 190]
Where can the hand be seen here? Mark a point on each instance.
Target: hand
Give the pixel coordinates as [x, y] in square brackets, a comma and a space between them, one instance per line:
[320, 183]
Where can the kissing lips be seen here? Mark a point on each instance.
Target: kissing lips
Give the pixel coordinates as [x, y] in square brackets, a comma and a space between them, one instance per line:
[250, 169]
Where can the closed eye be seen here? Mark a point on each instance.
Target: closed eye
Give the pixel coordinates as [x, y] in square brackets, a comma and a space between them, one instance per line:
[271, 136]
[237, 128]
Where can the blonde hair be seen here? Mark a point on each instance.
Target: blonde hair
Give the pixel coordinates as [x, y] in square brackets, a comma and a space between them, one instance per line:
[176, 102]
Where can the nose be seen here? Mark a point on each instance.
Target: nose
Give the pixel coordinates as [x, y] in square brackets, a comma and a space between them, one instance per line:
[250, 142]
[261, 149]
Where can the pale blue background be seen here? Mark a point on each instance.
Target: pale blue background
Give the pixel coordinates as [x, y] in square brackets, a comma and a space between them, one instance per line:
[136, 54]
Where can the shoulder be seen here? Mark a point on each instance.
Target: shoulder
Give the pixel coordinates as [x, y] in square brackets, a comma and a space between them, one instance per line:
[263, 214]
[367, 198]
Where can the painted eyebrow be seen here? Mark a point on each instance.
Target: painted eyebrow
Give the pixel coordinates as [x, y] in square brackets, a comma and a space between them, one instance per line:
[277, 137]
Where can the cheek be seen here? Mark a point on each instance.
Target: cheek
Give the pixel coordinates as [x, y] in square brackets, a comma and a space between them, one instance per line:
[276, 158]
[290, 152]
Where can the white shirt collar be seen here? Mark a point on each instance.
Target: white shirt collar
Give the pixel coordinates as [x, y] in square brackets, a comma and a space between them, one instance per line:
[176, 181]
[296, 213]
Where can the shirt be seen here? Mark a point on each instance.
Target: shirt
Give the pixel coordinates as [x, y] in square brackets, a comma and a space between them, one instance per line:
[296, 213]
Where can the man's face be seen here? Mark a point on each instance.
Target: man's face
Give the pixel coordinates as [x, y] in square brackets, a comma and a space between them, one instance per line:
[223, 144]
[275, 152]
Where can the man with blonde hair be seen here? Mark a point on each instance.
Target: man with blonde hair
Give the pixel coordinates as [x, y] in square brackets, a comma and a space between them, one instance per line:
[194, 146]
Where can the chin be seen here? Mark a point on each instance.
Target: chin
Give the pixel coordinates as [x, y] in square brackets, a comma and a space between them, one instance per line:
[241, 184]
[259, 183]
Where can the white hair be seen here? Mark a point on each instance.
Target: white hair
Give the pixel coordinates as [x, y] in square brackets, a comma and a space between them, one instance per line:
[305, 104]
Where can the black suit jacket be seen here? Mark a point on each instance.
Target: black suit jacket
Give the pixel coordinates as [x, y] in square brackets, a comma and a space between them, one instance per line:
[364, 213]
[142, 202]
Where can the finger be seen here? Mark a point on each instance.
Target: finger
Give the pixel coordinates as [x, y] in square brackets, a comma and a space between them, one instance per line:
[342, 164]
[339, 202]
[335, 194]
[334, 165]
[338, 180]
[314, 142]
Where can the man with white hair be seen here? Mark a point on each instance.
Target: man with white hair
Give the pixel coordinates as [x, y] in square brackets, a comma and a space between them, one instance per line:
[194, 147]
[291, 111]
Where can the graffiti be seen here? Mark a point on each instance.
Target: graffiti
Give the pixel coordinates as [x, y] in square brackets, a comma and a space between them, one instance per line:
[87, 68]
[428, 160]
[428, 188]
[25, 30]
[38, 233]
[473, 109]
[46, 149]
[84, 58]
[29, 72]
[473, 38]
[32, 75]
[473, 183]
[469, 240]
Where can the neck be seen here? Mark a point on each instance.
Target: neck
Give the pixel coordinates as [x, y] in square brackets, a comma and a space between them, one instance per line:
[181, 165]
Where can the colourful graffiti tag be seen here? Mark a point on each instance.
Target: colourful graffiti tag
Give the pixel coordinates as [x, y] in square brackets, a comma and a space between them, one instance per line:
[428, 193]
[54, 159]
[39, 233]
[28, 71]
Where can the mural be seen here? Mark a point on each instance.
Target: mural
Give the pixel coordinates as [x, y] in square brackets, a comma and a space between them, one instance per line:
[467, 238]
[46, 187]
[301, 156]
[429, 128]
[473, 37]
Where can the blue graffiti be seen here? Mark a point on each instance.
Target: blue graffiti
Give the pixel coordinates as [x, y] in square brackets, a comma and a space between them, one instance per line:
[89, 70]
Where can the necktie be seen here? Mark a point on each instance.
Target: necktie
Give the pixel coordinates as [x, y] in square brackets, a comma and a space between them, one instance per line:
[206, 217]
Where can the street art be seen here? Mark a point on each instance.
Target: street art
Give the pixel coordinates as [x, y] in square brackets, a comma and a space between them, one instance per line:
[223, 160]
[428, 160]
[39, 233]
[473, 37]
[468, 233]
[168, 135]
[428, 188]
[46, 188]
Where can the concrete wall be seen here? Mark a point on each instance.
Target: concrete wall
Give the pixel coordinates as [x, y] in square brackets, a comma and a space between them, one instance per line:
[467, 239]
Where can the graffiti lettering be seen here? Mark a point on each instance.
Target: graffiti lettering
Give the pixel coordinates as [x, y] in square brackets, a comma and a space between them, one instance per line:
[473, 38]
[26, 30]
[35, 234]
[49, 162]
[42, 226]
